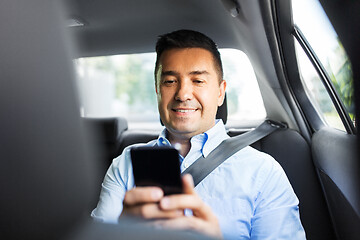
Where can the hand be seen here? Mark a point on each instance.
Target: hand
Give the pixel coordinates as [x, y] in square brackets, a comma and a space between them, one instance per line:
[203, 219]
[143, 202]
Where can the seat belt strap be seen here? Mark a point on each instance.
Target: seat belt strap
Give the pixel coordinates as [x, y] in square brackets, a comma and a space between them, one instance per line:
[204, 166]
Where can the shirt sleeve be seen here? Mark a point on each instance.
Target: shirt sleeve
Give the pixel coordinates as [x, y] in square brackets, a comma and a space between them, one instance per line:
[276, 214]
[117, 181]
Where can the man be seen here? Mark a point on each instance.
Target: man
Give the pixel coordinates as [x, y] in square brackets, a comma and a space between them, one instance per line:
[247, 196]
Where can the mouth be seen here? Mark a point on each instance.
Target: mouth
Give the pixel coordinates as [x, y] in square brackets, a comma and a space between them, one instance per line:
[184, 110]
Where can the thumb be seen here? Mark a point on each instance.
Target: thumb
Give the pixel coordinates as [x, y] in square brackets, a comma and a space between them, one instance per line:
[188, 184]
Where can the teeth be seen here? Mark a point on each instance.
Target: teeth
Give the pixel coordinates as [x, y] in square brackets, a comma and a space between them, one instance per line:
[185, 111]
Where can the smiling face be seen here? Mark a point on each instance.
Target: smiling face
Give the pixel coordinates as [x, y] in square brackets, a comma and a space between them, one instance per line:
[189, 91]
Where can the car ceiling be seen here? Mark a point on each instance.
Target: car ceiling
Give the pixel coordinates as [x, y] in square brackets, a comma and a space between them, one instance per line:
[133, 26]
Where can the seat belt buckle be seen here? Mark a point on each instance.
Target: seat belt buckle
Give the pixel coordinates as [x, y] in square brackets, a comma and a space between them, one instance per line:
[276, 124]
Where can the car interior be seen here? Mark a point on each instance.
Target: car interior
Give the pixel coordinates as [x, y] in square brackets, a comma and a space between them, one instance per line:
[54, 157]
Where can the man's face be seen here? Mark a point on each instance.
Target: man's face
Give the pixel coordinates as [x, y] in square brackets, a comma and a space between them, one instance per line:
[188, 91]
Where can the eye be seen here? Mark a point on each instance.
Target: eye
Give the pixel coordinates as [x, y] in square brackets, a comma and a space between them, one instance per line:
[198, 81]
[169, 82]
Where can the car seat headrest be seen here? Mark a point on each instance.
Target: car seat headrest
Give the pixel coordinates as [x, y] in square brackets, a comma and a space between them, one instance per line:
[222, 111]
[111, 127]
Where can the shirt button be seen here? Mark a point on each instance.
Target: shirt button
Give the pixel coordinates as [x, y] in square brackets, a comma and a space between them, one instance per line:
[186, 165]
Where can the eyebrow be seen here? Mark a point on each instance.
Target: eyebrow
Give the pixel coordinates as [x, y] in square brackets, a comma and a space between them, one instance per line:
[174, 73]
[169, 73]
[204, 72]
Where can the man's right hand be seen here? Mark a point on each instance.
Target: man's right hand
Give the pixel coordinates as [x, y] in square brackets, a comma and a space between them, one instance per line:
[143, 202]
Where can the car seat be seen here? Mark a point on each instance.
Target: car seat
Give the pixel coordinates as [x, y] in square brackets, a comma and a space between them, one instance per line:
[47, 167]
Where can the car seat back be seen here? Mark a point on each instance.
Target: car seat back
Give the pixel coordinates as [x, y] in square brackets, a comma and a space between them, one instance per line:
[108, 132]
[45, 170]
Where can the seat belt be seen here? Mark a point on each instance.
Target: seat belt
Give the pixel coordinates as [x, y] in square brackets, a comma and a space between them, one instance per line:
[204, 166]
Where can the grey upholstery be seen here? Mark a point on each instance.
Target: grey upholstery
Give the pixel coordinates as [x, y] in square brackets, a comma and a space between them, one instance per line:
[339, 169]
[45, 172]
[104, 135]
[108, 132]
[222, 111]
[135, 136]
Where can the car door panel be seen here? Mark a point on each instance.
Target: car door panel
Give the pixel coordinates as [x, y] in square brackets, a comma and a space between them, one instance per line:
[336, 160]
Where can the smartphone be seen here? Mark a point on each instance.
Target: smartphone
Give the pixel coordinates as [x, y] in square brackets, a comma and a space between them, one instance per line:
[157, 166]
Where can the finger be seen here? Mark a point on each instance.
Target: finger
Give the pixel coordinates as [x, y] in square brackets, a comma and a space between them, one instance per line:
[180, 201]
[187, 201]
[150, 211]
[140, 195]
[188, 184]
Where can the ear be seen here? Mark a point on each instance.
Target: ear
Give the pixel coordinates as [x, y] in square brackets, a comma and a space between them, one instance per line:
[156, 87]
[222, 89]
[157, 78]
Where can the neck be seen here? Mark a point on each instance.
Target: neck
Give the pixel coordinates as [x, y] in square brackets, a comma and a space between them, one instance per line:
[182, 143]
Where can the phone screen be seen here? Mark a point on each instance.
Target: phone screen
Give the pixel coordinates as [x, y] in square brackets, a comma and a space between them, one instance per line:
[157, 166]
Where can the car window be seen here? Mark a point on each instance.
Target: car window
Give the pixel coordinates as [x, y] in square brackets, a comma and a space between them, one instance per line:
[311, 20]
[123, 85]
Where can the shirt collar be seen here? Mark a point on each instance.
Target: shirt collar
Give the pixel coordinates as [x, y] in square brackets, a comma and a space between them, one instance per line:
[162, 140]
[209, 140]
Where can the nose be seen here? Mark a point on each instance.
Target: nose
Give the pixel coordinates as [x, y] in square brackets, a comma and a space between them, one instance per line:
[184, 91]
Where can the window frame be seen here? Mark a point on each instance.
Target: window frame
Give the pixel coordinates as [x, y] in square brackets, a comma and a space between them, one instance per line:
[286, 36]
[325, 79]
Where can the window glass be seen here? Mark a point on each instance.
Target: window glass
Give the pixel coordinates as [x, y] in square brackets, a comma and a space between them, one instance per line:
[310, 17]
[245, 104]
[123, 85]
[316, 91]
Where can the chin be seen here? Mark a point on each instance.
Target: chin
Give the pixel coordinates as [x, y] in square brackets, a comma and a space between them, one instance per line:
[183, 129]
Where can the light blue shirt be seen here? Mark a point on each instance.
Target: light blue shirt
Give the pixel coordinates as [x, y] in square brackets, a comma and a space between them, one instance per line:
[249, 192]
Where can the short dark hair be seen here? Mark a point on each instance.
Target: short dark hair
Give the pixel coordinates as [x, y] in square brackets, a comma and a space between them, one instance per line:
[188, 39]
